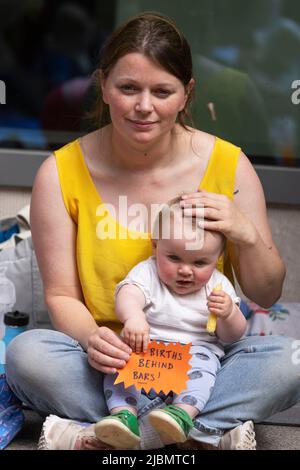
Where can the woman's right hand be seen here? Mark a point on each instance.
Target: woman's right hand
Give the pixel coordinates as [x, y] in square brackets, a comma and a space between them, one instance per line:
[218, 212]
[106, 351]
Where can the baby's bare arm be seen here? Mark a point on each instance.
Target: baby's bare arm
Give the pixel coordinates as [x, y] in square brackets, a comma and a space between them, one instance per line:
[233, 327]
[231, 323]
[130, 302]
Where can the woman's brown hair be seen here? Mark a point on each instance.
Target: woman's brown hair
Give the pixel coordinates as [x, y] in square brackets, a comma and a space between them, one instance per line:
[157, 37]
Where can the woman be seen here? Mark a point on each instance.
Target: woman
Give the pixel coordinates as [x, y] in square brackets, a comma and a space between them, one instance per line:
[85, 244]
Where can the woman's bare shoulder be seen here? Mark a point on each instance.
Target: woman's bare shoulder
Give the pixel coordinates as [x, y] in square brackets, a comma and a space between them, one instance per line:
[202, 142]
[245, 171]
[47, 195]
[47, 175]
[249, 194]
[93, 136]
[95, 148]
[48, 169]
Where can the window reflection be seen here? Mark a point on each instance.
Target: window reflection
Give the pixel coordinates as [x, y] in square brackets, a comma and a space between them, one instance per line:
[48, 50]
[246, 58]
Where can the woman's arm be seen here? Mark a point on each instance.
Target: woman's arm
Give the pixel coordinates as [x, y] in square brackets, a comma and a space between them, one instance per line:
[54, 235]
[258, 266]
[255, 258]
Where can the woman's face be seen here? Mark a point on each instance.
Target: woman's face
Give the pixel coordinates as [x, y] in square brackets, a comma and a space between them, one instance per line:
[144, 99]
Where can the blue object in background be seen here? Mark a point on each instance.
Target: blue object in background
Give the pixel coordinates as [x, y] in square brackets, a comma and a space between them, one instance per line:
[11, 414]
[15, 323]
[246, 310]
[7, 230]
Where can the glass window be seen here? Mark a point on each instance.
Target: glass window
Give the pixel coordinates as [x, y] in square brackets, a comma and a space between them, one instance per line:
[48, 51]
[246, 62]
[246, 65]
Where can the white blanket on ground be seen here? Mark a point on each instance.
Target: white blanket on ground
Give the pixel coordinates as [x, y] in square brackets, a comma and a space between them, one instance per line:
[280, 319]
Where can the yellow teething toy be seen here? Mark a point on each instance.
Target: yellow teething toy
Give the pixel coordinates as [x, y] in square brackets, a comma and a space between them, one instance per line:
[212, 318]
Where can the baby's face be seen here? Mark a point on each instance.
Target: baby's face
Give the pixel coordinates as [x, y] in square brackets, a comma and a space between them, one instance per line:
[186, 271]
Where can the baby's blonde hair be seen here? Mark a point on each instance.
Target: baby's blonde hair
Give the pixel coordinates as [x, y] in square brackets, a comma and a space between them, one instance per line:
[168, 217]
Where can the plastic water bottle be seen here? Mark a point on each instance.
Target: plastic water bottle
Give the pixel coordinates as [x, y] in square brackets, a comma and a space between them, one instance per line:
[15, 323]
[7, 297]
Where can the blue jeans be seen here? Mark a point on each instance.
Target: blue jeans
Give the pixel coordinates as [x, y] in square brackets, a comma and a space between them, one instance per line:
[49, 372]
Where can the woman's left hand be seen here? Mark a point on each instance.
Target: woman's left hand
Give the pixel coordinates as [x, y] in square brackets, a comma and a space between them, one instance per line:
[219, 214]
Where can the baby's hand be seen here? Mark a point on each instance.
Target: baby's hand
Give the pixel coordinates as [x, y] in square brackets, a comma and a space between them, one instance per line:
[136, 334]
[220, 304]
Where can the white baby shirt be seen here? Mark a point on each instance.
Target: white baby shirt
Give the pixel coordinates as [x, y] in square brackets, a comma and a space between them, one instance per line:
[173, 317]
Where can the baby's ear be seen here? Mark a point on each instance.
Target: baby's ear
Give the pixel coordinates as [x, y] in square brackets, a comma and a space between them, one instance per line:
[154, 246]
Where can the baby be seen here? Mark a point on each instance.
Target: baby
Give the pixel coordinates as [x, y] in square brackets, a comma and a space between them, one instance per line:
[168, 298]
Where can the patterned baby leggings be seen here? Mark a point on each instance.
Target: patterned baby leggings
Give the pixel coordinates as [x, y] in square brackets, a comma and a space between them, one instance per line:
[202, 376]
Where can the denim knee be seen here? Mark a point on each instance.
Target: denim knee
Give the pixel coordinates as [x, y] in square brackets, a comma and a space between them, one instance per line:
[49, 371]
[283, 363]
[25, 359]
[289, 363]
[28, 357]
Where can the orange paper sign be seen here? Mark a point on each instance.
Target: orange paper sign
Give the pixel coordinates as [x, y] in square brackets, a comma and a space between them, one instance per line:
[164, 367]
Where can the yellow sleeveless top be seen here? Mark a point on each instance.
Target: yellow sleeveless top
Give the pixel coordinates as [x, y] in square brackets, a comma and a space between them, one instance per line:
[105, 249]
